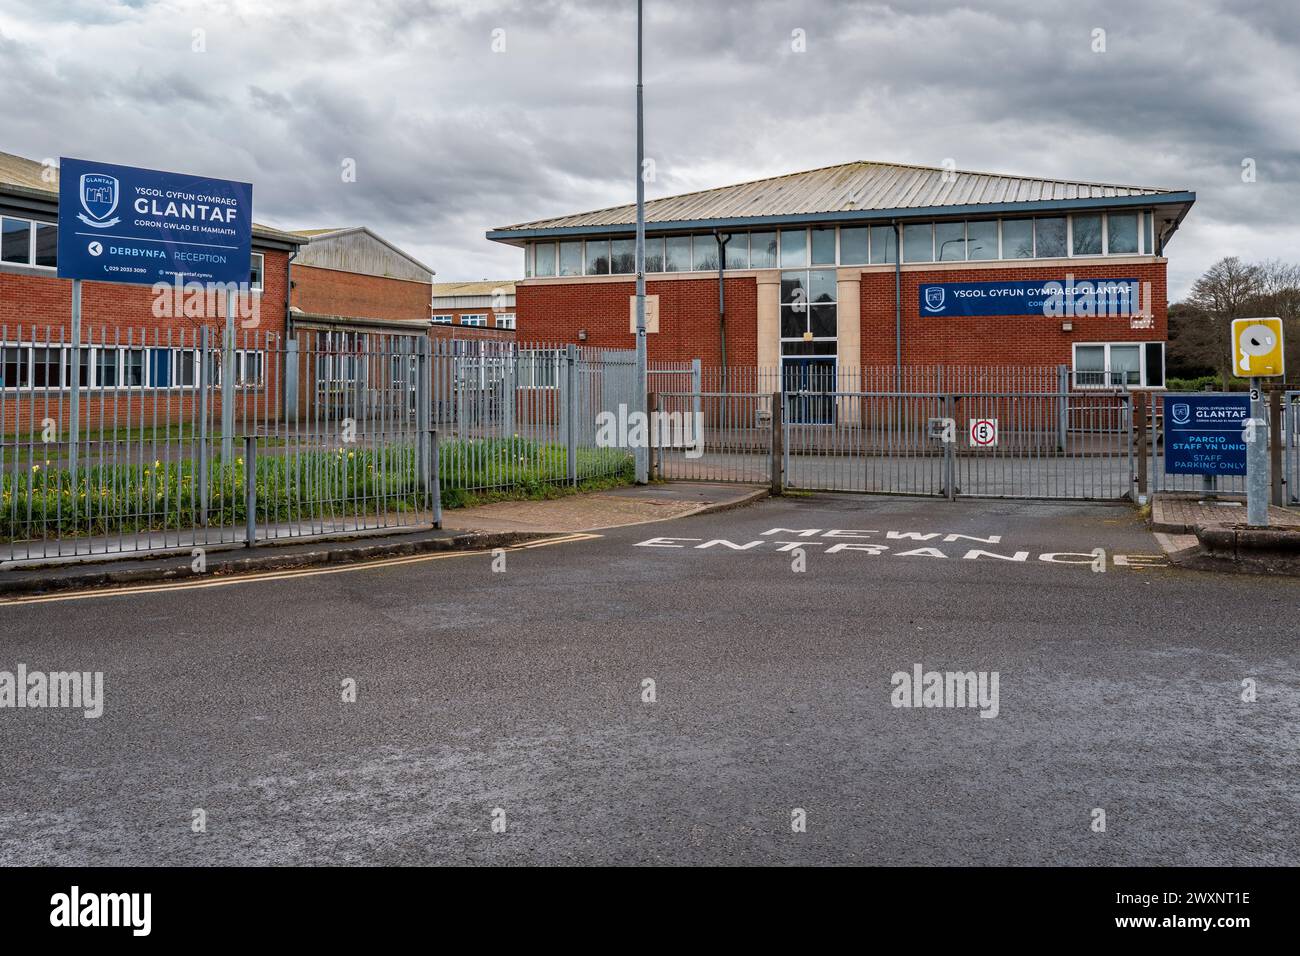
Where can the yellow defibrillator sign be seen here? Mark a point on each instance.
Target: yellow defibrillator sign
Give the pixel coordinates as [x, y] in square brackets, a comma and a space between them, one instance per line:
[1257, 347]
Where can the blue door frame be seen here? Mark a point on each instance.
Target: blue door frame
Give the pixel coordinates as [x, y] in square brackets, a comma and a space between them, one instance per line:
[808, 381]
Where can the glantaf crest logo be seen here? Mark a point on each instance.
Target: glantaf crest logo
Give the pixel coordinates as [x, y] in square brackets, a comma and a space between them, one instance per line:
[934, 298]
[99, 195]
[1182, 413]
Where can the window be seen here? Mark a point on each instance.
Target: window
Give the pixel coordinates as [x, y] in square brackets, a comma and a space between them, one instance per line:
[597, 257]
[918, 242]
[248, 369]
[1087, 235]
[15, 241]
[47, 245]
[622, 256]
[808, 305]
[705, 255]
[654, 254]
[571, 258]
[853, 246]
[884, 245]
[950, 241]
[106, 368]
[442, 319]
[539, 368]
[14, 363]
[1122, 233]
[823, 247]
[1150, 217]
[506, 321]
[762, 250]
[544, 259]
[794, 248]
[982, 239]
[1119, 365]
[1017, 238]
[679, 254]
[737, 251]
[478, 320]
[1049, 238]
[133, 368]
[256, 271]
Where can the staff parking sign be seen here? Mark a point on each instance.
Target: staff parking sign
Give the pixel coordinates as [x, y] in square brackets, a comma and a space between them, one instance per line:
[125, 224]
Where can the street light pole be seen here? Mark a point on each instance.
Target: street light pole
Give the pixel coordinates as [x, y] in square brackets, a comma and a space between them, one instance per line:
[642, 454]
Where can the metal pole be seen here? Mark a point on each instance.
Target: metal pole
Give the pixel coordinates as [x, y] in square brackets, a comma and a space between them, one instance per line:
[642, 386]
[1257, 460]
[228, 385]
[250, 490]
[74, 412]
[205, 360]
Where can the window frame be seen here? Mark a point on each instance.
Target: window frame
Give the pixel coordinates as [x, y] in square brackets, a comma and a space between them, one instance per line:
[1107, 371]
[481, 316]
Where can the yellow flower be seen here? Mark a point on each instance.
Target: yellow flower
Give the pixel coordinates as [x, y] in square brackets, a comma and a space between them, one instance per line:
[36, 467]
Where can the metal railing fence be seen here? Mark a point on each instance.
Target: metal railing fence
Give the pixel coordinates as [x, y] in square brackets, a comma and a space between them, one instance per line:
[130, 441]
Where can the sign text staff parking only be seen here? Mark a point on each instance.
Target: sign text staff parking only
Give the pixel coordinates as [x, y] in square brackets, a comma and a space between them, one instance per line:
[124, 224]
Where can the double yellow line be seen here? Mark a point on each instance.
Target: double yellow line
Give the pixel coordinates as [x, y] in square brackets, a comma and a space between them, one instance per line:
[263, 576]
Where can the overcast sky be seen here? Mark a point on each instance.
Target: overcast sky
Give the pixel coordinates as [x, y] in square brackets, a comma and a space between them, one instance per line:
[451, 138]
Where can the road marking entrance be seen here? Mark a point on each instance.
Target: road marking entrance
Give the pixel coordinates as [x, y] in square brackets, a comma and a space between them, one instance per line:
[264, 576]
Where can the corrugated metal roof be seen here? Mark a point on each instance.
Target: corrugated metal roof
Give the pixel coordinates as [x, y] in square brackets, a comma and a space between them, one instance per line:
[28, 176]
[486, 287]
[847, 188]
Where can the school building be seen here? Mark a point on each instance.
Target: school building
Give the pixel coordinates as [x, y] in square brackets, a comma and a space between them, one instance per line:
[802, 272]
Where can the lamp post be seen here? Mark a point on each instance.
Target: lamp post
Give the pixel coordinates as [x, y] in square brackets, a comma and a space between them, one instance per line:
[642, 387]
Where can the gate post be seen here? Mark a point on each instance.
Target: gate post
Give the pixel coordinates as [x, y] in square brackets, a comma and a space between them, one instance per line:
[424, 433]
[1138, 414]
[1275, 441]
[571, 411]
[950, 450]
[778, 444]
[697, 387]
[1063, 406]
[205, 359]
[250, 490]
[656, 447]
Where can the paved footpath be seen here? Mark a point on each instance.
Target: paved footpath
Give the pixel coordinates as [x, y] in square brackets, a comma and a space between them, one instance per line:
[780, 640]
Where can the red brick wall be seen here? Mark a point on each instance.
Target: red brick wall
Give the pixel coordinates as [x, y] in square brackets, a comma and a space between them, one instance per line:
[331, 292]
[997, 340]
[470, 333]
[688, 317]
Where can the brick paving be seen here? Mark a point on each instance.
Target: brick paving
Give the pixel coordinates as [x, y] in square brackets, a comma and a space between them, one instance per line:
[1180, 514]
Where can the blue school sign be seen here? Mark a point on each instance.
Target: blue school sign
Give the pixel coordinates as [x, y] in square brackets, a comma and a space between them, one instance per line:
[124, 224]
[1203, 436]
[1061, 298]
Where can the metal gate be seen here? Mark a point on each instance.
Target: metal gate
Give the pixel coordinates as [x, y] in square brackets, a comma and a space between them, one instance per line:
[1291, 448]
[1071, 444]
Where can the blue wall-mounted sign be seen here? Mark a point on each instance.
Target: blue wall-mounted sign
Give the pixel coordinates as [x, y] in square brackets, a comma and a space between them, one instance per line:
[1203, 436]
[123, 224]
[1057, 298]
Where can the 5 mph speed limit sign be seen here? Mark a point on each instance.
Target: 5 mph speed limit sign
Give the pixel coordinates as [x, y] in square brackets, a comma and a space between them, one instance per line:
[983, 432]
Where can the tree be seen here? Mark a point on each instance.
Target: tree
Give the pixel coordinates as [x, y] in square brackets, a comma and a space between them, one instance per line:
[1228, 290]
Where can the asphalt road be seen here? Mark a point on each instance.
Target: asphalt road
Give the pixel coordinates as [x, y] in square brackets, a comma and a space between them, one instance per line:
[522, 690]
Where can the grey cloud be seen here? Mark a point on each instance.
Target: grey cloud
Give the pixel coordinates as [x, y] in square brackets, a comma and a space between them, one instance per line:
[452, 139]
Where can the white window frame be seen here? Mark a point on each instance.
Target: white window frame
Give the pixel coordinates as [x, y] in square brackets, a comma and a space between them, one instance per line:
[505, 320]
[443, 318]
[31, 244]
[261, 284]
[528, 379]
[1106, 366]
[480, 324]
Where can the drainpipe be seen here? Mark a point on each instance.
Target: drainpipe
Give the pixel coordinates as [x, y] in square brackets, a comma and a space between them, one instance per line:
[288, 294]
[898, 300]
[722, 300]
